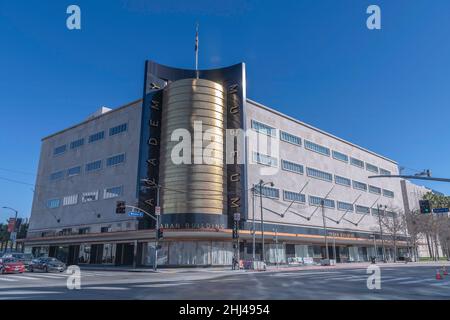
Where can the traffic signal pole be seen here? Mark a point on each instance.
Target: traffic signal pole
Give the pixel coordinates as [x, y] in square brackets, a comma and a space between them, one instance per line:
[155, 262]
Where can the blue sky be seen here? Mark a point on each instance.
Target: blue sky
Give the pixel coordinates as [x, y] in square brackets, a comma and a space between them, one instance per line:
[387, 90]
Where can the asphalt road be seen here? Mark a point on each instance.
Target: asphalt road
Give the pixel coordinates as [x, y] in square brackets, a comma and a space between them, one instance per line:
[409, 282]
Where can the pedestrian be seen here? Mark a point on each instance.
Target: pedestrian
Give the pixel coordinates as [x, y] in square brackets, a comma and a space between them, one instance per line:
[234, 263]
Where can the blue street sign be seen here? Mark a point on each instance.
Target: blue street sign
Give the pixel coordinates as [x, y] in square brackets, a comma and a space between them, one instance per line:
[135, 214]
[441, 210]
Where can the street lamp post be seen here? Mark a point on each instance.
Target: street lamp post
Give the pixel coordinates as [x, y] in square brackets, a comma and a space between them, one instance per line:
[15, 222]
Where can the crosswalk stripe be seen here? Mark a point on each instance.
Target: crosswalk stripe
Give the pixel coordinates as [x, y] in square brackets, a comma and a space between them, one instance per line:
[106, 288]
[23, 277]
[417, 281]
[394, 279]
[47, 276]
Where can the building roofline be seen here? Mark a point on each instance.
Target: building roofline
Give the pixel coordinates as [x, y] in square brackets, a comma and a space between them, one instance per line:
[91, 119]
[319, 130]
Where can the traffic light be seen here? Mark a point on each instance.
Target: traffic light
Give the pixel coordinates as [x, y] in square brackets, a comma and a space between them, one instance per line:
[160, 233]
[425, 206]
[120, 207]
[235, 231]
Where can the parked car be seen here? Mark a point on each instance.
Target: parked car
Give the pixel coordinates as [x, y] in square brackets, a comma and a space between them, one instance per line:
[11, 265]
[47, 264]
[25, 258]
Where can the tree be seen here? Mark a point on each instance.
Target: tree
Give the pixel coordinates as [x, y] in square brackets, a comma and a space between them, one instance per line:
[395, 225]
[436, 226]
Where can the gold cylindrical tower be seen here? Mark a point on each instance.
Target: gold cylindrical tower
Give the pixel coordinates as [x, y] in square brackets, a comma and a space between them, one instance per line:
[193, 115]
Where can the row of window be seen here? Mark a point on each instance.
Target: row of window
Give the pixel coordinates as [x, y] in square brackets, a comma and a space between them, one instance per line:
[89, 167]
[271, 192]
[92, 138]
[321, 175]
[73, 199]
[309, 145]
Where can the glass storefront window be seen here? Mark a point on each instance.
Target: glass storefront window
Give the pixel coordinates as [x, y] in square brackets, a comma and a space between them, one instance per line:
[109, 253]
[84, 255]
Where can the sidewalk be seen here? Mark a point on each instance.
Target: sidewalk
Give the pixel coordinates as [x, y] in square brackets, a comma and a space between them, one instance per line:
[271, 268]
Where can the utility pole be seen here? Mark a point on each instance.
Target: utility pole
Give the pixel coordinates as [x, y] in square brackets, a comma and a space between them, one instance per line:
[14, 230]
[254, 230]
[261, 184]
[381, 231]
[322, 204]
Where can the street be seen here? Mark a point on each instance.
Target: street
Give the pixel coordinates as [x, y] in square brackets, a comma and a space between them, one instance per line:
[397, 282]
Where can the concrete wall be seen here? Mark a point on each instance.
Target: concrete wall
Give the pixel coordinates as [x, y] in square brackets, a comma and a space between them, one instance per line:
[86, 214]
[285, 180]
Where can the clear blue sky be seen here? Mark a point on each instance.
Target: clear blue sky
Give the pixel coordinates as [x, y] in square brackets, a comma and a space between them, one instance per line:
[314, 60]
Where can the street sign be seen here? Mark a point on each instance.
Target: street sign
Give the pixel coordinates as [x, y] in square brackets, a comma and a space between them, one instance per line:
[157, 210]
[441, 210]
[237, 216]
[135, 214]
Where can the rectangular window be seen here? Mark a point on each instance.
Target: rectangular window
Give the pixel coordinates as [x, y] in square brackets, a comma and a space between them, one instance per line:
[59, 150]
[93, 166]
[342, 181]
[322, 175]
[294, 196]
[57, 175]
[263, 128]
[375, 190]
[390, 214]
[362, 210]
[371, 168]
[77, 143]
[70, 200]
[74, 171]
[265, 159]
[118, 129]
[267, 192]
[97, 136]
[388, 193]
[385, 172]
[53, 203]
[340, 156]
[356, 162]
[115, 160]
[345, 206]
[375, 212]
[317, 148]
[317, 201]
[359, 185]
[290, 138]
[113, 192]
[89, 196]
[292, 166]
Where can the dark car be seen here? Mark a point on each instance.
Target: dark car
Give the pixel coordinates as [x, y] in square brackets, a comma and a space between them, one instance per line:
[11, 265]
[47, 265]
[25, 258]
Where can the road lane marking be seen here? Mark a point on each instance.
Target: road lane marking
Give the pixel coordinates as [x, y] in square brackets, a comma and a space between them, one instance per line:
[8, 280]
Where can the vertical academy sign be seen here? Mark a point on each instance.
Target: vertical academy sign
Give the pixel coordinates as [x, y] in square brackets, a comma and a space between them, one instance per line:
[157, 77]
